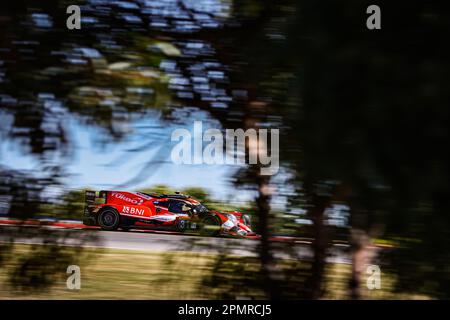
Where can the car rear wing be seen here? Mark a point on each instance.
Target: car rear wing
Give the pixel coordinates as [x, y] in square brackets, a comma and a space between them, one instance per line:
[91, 199]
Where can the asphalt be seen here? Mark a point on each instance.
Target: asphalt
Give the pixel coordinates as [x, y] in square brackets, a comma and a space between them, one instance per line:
[160, 242]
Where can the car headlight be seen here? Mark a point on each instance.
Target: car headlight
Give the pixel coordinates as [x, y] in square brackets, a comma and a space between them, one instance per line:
[246, 219]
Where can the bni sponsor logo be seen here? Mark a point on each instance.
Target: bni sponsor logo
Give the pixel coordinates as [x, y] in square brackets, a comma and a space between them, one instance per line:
[133, 211]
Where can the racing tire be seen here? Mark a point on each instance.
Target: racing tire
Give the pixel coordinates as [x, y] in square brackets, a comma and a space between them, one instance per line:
[109, 219]
[210, 226]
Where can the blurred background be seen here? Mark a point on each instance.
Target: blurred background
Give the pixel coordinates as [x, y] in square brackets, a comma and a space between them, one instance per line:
[364, 132]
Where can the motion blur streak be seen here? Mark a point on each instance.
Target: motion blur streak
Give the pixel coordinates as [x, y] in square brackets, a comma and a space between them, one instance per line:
[363, 122]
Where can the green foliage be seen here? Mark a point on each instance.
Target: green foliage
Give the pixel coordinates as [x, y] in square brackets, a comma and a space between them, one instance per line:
[159, 188]
[69, 205]
[198, 193]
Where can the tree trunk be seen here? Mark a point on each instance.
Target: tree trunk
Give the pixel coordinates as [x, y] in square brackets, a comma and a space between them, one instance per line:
[262, 201]
[360, 249]
[320, 243]
[267, 263]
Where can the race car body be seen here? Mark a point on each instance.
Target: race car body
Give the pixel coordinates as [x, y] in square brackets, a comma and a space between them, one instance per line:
[112, 210]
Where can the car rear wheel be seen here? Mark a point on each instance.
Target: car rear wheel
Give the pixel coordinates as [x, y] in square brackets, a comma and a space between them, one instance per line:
[108, 219]
[210, 226]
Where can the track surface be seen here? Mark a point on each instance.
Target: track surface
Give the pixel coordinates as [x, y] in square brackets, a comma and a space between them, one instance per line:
[156, 241]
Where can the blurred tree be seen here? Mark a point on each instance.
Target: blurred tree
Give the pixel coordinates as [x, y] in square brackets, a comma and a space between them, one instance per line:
[364, 115]
[373, 118]
[68, 205]
[159, 188]
[198, 193]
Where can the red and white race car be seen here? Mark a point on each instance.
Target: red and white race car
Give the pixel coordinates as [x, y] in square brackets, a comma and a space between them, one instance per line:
[112, 210]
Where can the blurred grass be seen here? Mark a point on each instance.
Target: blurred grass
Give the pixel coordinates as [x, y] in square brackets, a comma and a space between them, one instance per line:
[128, 274]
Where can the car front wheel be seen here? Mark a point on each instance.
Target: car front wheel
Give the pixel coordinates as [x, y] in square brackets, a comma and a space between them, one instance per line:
[210, 226]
